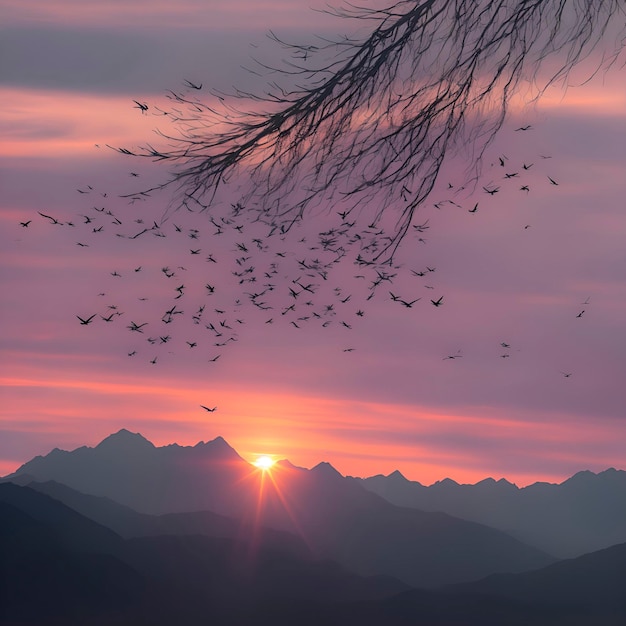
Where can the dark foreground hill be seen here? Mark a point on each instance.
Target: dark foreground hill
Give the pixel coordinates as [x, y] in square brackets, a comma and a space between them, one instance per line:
[587, 591]
[59, 567]
[337, 518]
[588, 583]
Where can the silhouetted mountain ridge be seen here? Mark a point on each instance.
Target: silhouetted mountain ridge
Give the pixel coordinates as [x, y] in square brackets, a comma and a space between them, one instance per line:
[586, 512]
[238, 574]
[335, 516]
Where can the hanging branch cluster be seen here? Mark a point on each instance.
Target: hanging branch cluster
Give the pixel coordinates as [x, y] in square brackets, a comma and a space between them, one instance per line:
[368, 128]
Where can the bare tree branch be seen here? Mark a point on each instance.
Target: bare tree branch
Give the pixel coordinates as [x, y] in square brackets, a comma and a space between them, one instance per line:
[369, 127]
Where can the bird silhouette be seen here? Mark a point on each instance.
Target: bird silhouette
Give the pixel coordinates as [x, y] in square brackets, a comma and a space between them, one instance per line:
[136, 327]
[206, 408]
[141, 106]
[85, 322]
[193, 85]
[409, 304]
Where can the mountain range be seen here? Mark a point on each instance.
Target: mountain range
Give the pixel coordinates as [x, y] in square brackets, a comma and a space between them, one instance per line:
[585, 513]
[127, 532]
[335, 517]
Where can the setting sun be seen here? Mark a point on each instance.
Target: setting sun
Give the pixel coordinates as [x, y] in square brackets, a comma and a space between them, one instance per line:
[264, 463]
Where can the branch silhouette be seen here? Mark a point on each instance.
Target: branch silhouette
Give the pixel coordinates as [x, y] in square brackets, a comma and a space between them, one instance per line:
[368, 127]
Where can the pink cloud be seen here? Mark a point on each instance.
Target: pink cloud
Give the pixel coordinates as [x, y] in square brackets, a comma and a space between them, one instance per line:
[393, 403]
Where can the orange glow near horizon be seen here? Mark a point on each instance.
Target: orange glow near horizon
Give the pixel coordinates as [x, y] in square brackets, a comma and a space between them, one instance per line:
[304, 429]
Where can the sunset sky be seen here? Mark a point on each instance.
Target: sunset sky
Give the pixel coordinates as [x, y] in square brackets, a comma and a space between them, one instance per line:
[369, 399]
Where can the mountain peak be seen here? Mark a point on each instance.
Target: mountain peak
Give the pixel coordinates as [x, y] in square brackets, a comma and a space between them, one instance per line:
[326, 469]
[217, 448]
[125, 440]
[219, 443]
[611, 472]
[397, 475]
[587, 477]
[491, 484]
[446, 482]
[584, 476]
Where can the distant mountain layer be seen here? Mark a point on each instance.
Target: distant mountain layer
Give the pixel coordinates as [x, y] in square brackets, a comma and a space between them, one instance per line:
[58, 567]
[585, 513]
[336, 517]
[129, 523]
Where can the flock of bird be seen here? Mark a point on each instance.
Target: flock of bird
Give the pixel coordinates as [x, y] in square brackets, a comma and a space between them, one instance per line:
[226, 267]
